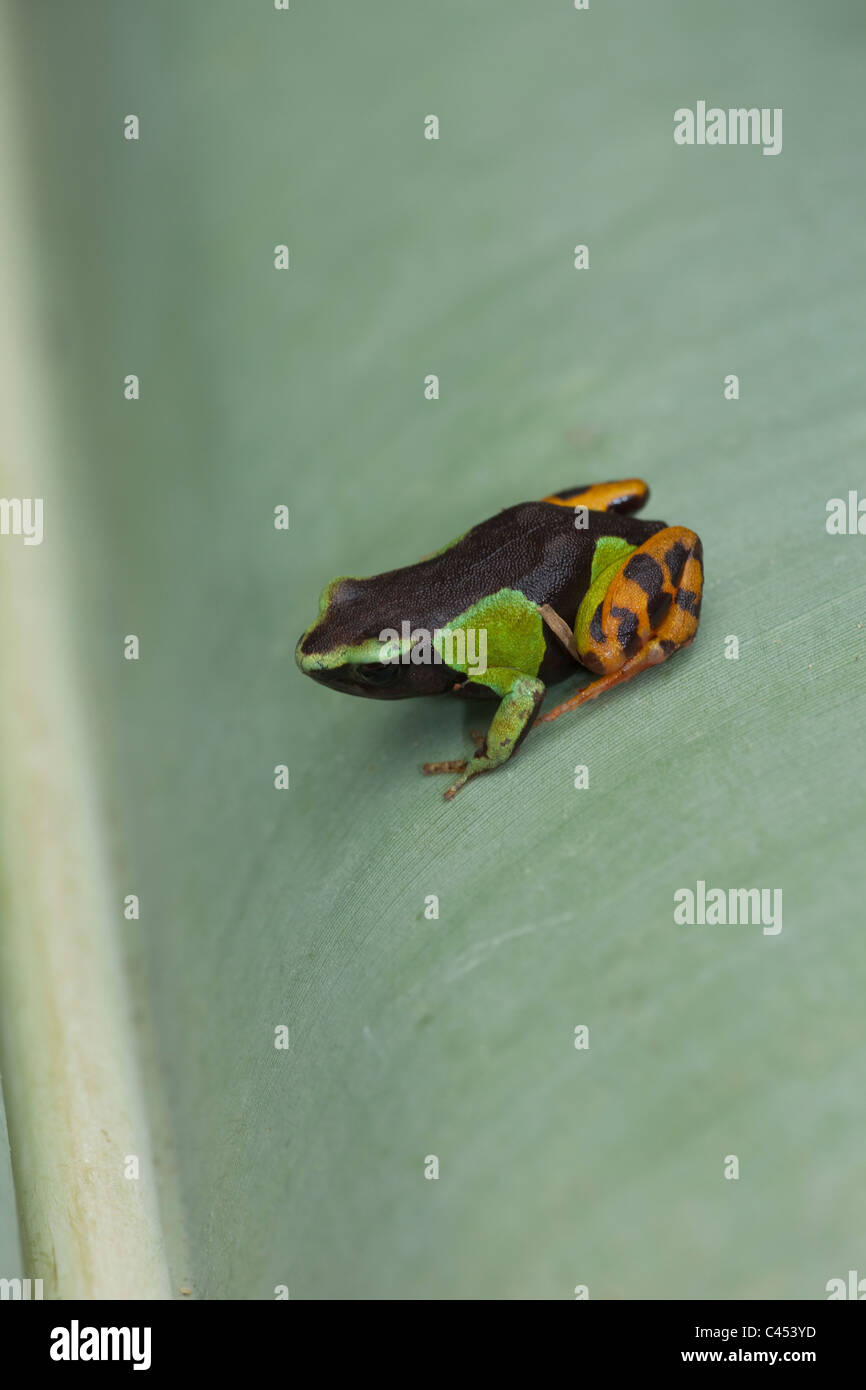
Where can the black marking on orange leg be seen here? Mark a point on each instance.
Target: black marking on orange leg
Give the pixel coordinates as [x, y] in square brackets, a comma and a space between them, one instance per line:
[625, 495]
[627, 634]
[688, 602]
[645, 616]
[646, 572]
[675, 558]
[657, 609]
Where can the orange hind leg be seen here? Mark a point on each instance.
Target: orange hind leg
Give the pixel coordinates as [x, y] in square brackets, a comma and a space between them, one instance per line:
[650, 610]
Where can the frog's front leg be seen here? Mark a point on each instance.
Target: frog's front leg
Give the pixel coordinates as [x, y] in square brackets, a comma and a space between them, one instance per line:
[650, 608]
[521, 696]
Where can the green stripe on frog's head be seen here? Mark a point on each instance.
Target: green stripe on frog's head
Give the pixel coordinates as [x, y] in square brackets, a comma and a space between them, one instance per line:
[373, 668]
[362, 654]
[323, 645]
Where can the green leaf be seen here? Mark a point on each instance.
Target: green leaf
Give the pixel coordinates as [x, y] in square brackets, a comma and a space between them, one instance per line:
[454, 1036]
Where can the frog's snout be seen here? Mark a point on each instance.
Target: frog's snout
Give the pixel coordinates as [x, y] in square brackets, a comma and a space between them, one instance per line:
[307, 662]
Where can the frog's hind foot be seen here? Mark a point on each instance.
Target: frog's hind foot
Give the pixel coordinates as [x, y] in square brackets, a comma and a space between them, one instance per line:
[455, 764]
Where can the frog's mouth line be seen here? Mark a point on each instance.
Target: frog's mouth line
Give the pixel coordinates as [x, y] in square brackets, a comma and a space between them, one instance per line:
[354, 687]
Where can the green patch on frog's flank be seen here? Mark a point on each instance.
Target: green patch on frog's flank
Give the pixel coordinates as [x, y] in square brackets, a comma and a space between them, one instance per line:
[607, 557]
[514, 633]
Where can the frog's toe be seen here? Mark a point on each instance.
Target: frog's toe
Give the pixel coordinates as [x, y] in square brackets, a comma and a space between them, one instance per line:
[456, 786]
[454, 765]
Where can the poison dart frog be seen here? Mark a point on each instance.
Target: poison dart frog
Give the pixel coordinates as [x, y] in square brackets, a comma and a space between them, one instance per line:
[542, 587]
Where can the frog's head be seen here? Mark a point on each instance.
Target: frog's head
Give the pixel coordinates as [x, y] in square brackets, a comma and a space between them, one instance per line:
[355, 644]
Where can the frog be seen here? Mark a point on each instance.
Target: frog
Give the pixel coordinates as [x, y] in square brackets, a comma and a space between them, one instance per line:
[575, 581]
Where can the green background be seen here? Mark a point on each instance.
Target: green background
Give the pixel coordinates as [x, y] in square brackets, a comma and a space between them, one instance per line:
[454, 1037]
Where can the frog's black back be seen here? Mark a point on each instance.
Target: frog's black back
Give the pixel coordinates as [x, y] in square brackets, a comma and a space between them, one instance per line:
[534, 547]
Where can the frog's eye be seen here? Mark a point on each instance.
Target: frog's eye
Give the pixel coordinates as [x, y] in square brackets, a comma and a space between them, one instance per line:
[377, 673]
